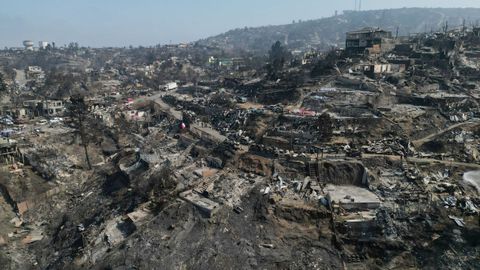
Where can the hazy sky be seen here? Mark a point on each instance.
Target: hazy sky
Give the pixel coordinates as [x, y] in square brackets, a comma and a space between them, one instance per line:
[100, 23]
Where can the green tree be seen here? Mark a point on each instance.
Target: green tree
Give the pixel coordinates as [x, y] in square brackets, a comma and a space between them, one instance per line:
[277, 58]
[73, 48]
[324, 126]
[3, 85]
[325, 66]
[78, 111]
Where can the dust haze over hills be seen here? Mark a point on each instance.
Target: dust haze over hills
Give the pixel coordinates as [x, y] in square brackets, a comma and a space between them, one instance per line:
[327, 32]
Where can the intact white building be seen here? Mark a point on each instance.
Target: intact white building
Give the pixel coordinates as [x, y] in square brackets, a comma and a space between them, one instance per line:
[171, 86]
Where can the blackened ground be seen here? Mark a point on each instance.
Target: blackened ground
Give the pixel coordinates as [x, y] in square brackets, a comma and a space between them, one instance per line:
[181, 238]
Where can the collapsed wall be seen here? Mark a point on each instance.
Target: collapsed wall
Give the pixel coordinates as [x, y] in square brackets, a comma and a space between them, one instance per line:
[339, 172]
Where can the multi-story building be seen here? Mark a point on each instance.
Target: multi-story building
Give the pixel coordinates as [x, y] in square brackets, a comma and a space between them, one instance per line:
[368, 40]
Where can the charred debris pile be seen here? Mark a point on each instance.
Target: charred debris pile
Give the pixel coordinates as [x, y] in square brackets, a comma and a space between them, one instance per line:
[365, 157]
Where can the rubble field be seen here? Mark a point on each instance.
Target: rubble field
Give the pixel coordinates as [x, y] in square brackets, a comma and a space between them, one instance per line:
[356, 158]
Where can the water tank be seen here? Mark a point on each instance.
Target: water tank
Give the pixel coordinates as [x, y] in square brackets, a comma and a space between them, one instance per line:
[28, 44]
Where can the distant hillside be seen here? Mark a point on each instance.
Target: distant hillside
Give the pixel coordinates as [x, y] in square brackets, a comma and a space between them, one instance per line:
[326, 32]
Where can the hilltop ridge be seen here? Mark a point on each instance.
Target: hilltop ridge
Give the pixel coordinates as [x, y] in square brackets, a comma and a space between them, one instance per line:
[327, 32]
